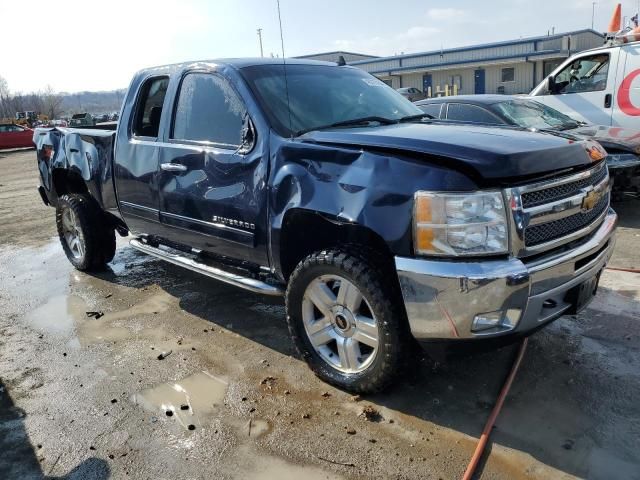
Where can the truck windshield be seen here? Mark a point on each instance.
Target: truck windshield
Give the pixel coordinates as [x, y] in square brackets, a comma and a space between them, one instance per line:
[529, 114]
[321, 96]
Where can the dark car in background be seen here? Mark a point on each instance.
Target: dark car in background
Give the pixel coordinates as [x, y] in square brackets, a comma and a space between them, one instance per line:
[15, 136]
[82, 120]
[622, 145]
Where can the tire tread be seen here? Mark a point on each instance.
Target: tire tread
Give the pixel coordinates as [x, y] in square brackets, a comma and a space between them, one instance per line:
[368, 268]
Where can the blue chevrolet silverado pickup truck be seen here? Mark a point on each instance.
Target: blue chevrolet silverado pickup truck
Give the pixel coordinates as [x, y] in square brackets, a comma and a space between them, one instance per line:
[380, 226]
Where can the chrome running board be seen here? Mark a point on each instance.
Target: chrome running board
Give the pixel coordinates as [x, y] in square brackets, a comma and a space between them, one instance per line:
[247, 283]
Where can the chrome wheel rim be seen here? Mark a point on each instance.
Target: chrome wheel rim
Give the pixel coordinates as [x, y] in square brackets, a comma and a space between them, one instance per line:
[340, 323]
[72, 233]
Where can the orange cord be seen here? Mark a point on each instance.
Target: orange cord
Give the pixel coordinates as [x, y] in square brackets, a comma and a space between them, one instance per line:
[618, 269]
[484, 438]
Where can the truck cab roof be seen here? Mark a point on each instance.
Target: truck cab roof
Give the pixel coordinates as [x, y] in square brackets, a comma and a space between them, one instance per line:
[236, 63]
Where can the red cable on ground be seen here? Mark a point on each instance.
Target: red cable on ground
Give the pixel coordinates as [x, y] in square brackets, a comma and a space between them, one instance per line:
[618, 269]
[484, 438]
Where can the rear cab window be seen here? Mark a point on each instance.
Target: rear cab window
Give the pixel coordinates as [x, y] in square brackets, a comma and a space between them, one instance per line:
[208, 110]
[149, 107]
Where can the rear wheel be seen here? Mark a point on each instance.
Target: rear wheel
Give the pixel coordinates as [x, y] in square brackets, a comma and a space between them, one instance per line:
[86, 240]
[345, 320]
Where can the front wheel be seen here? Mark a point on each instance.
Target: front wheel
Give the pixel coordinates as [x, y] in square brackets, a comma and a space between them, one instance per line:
[87, 241]
[345, 320]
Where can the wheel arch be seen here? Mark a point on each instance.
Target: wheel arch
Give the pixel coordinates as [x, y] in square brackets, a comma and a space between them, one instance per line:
[68, 181]
[304, 232]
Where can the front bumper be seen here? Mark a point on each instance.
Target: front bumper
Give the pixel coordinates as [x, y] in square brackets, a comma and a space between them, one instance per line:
[442, 298]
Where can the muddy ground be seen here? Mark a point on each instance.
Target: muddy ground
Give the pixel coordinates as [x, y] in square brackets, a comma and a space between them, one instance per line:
[86, 397]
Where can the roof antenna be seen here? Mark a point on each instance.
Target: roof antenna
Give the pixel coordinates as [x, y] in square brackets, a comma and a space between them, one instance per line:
[341, 61]
[284, 63]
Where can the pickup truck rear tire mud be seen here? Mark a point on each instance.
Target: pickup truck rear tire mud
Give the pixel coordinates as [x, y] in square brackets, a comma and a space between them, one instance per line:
[344, 321]
[88, 243]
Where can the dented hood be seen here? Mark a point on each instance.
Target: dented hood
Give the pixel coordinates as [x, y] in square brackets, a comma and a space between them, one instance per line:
[493, 154]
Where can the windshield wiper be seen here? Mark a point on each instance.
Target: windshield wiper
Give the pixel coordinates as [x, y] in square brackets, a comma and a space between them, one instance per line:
[350, 123]
[419, 116]
[566, 126]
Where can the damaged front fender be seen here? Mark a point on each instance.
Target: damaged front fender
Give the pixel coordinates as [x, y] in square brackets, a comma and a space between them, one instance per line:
[352, 186]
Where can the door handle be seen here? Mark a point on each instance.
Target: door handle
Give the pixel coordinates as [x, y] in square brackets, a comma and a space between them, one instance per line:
[173, 167]
[607, 100]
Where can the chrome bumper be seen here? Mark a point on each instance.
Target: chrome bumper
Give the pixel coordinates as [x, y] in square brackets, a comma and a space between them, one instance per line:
[442, 298]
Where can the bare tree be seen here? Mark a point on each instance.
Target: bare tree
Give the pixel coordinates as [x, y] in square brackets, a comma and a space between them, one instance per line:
[4, 97]
[52, 102]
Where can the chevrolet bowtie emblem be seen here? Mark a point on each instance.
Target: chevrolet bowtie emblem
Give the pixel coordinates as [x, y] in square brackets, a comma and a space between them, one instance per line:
[591, 199]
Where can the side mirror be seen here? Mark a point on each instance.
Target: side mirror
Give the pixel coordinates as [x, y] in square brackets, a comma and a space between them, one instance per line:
[551, 85]
[248, 136]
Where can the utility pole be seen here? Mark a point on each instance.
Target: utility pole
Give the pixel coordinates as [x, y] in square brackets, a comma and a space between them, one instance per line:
[593, 13]
[260, 39]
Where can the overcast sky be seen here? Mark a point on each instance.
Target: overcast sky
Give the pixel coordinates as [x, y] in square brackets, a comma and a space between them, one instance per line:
[76, 45]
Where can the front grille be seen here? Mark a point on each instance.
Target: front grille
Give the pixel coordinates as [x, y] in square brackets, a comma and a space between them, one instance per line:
[545, 232]
[549, 214]
[548, 195]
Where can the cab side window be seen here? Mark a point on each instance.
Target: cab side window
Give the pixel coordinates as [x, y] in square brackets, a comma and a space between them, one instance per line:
[208, 110]
[149, 107]
[585, 74]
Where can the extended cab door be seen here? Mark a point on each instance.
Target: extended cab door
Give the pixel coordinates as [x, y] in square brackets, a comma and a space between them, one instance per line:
[583, 87]
[213, 171]
[136, 157]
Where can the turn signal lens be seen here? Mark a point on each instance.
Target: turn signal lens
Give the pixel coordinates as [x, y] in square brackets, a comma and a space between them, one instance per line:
[423, 209]
[424, 240]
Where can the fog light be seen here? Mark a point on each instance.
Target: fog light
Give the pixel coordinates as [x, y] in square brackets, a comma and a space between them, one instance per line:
[485, 321]
[500, 320]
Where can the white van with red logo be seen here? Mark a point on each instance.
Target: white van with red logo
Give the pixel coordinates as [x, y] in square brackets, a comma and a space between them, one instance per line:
[599, 86]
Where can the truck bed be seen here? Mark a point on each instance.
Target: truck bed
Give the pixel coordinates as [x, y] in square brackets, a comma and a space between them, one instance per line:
[84, 154]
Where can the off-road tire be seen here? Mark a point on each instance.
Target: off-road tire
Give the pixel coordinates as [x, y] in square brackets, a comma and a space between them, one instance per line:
[98, 236]
[365, 270]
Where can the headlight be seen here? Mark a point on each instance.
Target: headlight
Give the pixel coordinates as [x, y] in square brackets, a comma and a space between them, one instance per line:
[459, 224]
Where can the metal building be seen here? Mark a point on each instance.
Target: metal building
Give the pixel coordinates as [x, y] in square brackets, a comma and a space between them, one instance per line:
[349, 57]
[509, 67]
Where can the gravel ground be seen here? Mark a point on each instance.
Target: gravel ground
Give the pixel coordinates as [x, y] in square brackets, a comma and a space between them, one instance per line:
[88, 397]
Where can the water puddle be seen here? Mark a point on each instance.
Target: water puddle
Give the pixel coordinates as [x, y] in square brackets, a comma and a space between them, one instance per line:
[31, 275]
[619, 294]
[59, 315]
[189, 400]
[66, 316]
[158, 303]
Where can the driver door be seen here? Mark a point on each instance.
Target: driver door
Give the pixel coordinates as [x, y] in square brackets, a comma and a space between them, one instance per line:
[212, 189]
[584, 88]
